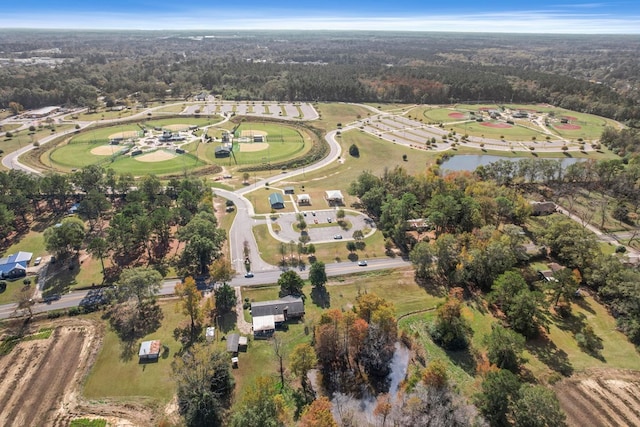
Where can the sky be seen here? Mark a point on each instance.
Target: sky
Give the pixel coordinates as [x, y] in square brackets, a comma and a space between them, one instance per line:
[513, 16]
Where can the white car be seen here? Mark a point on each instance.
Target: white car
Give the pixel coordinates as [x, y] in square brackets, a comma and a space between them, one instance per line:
[37, 261]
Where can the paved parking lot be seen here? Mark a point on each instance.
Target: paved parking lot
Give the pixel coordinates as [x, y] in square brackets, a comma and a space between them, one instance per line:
[326, 232]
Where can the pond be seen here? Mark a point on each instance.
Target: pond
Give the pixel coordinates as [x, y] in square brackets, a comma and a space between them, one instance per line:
[469, 162]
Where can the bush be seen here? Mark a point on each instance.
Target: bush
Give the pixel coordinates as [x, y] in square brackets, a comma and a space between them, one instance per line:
[26, 282]
[354, 150]
[9, 135]
[621, 249]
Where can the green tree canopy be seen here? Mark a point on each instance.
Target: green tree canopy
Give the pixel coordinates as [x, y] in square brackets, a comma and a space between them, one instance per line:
[317, 274]
[64, 237]
[504, 347]
[290, 283]
[204, 386]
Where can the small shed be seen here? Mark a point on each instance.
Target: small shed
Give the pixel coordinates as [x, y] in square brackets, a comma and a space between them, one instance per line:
[289, 190]
[276, 201]
[242, 343]
[304, 199]
[150, 350]
[233, 341]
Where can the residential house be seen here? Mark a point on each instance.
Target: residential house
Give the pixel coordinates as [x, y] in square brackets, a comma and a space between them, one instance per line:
[15, 265]
[269, 315]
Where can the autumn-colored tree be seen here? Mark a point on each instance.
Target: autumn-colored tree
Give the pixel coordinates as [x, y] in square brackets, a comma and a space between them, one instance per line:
[221, 270]
[318, 414]
[302, 359]
[449, 329]
[435, 375]
[189, 303]
[383, 407]
[366, 304]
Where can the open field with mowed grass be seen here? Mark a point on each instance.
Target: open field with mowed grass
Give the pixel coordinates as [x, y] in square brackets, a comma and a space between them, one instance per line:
[331, 114]
[117, 374]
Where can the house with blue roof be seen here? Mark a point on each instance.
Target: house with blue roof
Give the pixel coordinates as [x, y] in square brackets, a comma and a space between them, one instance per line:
[15, 265]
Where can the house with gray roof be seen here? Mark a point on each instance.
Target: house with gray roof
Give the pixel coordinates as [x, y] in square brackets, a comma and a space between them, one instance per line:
[269, 315]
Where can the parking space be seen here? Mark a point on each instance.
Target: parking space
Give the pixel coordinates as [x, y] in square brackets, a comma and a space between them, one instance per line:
[322, 226]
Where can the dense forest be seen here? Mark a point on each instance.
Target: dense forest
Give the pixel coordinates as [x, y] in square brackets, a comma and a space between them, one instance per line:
[592, 74]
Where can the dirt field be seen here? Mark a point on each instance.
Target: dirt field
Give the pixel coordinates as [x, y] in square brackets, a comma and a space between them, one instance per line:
[253, 146]
[105, 150]
[601, 397]
[156, 156]
[40, 380]
[178, 127]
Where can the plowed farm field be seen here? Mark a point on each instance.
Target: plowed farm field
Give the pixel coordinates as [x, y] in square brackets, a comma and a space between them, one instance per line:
[37, 376]
[602, 397]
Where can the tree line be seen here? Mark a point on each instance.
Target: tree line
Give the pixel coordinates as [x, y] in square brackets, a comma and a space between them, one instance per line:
[410, 68]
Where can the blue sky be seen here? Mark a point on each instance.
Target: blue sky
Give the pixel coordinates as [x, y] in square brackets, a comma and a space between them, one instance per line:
[542, 16]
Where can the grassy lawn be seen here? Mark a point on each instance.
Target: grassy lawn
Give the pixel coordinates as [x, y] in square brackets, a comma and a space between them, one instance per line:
[14, 287]
[260, 200]
[118, 376]
[32, 242]
[175, 108]
[104, 114]
[561, 350]
[332, 114]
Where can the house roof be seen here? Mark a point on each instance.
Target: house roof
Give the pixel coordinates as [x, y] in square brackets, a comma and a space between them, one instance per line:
[150, 348]
[303, 197]
[6, 268]
[293, 305]
[264, 323]
[275, 198]
[21, 258]
[232, 343]
[333, 195]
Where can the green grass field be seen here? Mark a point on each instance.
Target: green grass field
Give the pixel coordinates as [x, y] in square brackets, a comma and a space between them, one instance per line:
[332, 114]
[123, 378]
